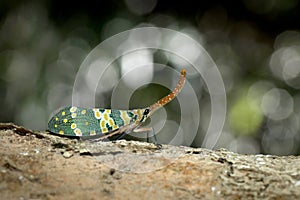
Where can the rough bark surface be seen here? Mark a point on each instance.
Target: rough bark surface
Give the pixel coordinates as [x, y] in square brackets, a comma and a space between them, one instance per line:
[38, 165]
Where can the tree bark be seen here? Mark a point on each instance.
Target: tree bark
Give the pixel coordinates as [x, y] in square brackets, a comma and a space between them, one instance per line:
[38, 165]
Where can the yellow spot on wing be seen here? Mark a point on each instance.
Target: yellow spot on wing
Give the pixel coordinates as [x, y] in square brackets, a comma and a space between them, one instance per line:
[108, 111]
[73, 115]
[63, 113]
[97, 114]
[77, 132]
[125, 117]
[139, 113]
[73, 109]
[55, 125]
[93, 132]
[61, 132]
[73, 126]
[56, 118]
[115, 127]
[102, 124]
[83, 112]
[105, 116]
[111, 122]
[86, 123]
[65, 120]
[104, 130]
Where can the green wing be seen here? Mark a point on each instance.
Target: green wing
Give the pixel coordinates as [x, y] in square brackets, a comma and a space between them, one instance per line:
[77, 121]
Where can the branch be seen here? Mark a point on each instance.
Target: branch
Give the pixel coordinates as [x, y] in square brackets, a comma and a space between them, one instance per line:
[40, 165]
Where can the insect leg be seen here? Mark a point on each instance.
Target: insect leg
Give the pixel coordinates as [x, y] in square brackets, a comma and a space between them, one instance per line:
[154, 136]
[143, 129]
[121, 136]
[108, 135]
[148, 136]
[122, 130]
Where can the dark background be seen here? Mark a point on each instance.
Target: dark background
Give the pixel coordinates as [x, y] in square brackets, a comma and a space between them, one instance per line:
[255, 44]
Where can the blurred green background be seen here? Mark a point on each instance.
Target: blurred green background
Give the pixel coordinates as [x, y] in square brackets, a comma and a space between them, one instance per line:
[255, 44]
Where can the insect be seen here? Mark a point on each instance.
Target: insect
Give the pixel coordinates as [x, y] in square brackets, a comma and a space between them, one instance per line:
[78, 121]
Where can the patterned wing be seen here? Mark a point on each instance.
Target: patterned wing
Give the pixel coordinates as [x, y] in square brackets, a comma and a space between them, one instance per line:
[76, 121]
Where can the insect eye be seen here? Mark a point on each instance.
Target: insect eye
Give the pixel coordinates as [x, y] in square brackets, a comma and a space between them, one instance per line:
[146, 112]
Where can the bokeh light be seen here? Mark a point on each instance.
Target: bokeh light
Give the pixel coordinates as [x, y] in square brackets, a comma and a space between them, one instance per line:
[245, 116]
[277, 104]
[255, 44]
